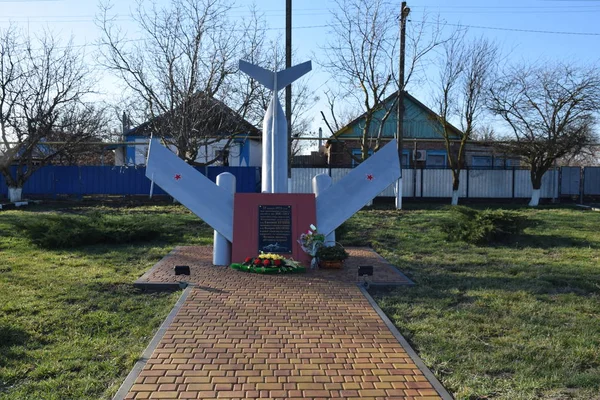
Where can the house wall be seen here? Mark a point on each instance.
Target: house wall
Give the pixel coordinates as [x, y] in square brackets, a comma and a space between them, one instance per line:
[255, 153]
[136, 154]
[120, 158]
[208, 152]
[339, 155]
[476, 155]
[244, 153]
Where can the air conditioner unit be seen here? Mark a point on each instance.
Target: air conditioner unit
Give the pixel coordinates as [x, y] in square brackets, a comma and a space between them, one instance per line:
[420, 155]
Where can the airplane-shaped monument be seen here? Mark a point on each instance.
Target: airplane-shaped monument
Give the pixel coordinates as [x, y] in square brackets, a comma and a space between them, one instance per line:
[273, 214]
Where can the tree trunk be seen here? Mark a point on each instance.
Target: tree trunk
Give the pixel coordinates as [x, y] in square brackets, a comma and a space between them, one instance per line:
[536, 183]
[455, 186]
[454, 198]
[535, 198]
[15, 194]
[364, 144]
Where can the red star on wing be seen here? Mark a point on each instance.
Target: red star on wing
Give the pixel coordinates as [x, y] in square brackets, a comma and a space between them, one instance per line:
[177, 177]
[370, 177]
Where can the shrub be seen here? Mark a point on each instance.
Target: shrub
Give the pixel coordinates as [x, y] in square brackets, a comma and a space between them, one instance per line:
[332, 253]
[483, 227]
[63, 231]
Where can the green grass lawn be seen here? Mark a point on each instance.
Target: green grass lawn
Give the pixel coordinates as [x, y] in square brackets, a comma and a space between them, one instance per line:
[519, 321]
[71, 323]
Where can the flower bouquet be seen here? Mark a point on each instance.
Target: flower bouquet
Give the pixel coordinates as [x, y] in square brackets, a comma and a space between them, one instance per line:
[310, 243]
[269, 263]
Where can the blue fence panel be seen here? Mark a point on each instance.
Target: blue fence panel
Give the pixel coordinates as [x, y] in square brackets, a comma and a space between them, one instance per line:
[42, 182]
[108, 180]
[66, 180]
[246, 178]
[591, 183]
[116, 181]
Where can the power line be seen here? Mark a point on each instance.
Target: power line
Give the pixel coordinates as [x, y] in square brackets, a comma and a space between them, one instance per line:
[319, 11]
[500, 7]
[332, 25]
[525, 30]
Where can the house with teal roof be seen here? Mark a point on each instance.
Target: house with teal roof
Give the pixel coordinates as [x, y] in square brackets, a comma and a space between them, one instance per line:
[423, 144]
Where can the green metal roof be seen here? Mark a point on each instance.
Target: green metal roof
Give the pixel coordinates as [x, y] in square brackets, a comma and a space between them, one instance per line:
[420, 122]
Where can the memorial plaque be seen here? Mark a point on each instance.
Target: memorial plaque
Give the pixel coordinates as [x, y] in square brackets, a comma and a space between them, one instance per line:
[263, 219]
[275, 229]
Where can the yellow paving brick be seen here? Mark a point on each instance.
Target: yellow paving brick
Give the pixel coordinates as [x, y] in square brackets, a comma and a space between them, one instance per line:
[164, 395]
[320, 338]
[144, 388]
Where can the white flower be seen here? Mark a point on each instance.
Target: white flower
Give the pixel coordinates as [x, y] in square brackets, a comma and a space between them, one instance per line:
[312, 227]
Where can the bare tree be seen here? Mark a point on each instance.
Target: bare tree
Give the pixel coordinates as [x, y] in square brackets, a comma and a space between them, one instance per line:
[551, 112]
[182, 70]
[362, 55]
[485, 133]
[466, 70]
[43, 85]
[588, 156]
[90, 121]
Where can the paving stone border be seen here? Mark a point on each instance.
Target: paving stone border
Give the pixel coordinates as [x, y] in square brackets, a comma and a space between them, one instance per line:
[141, 363]
[409, 350]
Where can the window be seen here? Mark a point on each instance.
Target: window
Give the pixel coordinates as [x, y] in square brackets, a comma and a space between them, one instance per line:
[406, 158]
[502, 162]
[222, 157]
[499, 162]
[357, 153]
[512, 162]
[436, 159]
[481, 162]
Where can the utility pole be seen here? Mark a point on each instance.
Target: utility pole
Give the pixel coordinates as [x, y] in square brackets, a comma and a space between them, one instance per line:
[288, 89]
[404, 11]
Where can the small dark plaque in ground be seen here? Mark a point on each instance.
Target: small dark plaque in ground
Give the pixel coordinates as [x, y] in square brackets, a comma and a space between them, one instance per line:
[275, 229]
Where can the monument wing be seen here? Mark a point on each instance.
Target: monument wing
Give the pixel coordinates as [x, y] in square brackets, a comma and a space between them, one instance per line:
[192, 189]
[289, 75]
[343, 199]
[263, 76]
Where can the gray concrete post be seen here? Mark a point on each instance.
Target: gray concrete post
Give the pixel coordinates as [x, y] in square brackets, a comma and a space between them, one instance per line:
[222, 246]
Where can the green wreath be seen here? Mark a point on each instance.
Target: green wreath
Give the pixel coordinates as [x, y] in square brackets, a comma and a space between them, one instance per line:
[261, 265]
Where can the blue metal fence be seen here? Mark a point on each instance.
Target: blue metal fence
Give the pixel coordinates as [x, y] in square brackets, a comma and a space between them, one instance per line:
[52, 181]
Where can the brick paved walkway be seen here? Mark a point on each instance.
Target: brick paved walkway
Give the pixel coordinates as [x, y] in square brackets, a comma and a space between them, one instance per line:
[246, 336]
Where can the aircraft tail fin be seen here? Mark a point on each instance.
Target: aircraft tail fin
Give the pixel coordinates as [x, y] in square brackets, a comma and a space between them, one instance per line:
[267, 78]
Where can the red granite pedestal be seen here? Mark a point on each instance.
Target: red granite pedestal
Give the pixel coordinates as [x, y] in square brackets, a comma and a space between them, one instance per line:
[246, 212]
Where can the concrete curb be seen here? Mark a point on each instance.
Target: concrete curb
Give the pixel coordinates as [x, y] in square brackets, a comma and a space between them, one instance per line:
[139, 365]
[588, 207]
[409, 282]
[15, 205]
[409, 350]
[143, 281]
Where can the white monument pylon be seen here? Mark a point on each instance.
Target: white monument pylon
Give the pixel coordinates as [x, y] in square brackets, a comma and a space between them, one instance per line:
[275, 134]
[335, 203]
